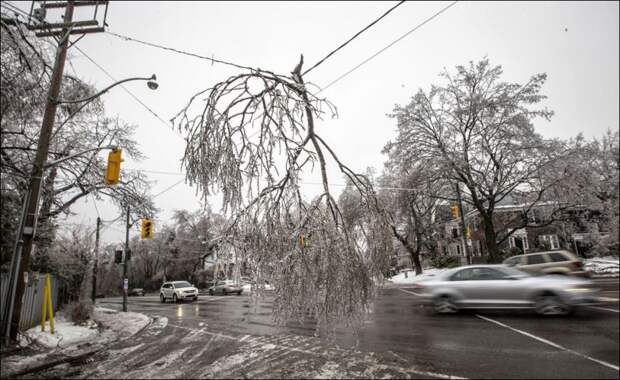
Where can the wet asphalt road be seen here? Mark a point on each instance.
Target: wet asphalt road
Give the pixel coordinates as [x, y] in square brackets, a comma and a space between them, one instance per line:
[230, 336]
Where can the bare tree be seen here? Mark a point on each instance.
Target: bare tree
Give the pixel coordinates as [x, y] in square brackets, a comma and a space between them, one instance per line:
[25, 78]
[251, 140]
[480, 130]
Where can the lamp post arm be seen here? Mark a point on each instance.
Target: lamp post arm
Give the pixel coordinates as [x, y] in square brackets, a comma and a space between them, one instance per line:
[153, 77]
[55, 162]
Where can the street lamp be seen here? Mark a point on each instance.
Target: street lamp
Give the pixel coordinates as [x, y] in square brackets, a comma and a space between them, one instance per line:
[20, 260]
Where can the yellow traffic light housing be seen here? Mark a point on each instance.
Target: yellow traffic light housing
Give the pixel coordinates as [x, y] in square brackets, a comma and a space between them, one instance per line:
[455, 211]
[113, 172]
[147, 229]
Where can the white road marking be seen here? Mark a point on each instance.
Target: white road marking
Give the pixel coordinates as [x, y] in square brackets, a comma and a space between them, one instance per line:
[550, 343]
[410, 292]
[608, 299]
[604, 308]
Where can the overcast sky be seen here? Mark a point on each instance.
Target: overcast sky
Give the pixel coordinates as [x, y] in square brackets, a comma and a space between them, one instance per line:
[575, 43]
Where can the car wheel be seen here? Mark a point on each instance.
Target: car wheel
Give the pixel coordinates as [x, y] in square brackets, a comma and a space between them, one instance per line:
[211, 292]
[239, 293]
[174, 298]
[445, 305]
[224, 292]
[162, 298]
[550, 304]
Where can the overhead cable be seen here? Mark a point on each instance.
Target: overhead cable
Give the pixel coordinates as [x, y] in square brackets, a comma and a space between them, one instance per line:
[352, 38]
[388, 46]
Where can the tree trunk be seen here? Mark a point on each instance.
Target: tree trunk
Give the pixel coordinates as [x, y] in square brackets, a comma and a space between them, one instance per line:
[413, 253]
[490, 239]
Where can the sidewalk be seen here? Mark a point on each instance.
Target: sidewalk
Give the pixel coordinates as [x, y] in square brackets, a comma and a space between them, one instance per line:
[69, 343]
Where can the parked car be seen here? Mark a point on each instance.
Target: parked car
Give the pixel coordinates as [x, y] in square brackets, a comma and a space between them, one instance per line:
[502, 287]
[550, 262]
[226, 287]
[177, 291]
[136, 292]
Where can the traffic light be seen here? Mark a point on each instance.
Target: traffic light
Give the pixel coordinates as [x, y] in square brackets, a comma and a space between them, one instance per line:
[455, 211]
[118, 256]
[147, 229]
[113, 172]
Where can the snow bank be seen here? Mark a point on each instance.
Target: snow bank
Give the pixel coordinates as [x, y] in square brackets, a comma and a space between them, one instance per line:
[607, 266]
[65, 333]
[123, 324]
[410, 277]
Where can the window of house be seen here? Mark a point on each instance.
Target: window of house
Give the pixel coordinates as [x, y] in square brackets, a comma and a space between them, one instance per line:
[455, 233]
[458, 249]
[550, 240]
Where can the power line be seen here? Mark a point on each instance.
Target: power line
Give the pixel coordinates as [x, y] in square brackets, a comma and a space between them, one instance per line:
[352, 38]
[129, 92]
[15, 9]
[388, 46]
[212, 59]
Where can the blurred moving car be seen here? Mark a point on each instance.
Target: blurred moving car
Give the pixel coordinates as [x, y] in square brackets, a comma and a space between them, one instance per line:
[177, 291]
[136, 292]
[226, 287]
[501, 287]
[250, 286]
[550, 262]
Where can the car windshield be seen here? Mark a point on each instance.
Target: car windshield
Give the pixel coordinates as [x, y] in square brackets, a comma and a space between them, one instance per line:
[182, 284]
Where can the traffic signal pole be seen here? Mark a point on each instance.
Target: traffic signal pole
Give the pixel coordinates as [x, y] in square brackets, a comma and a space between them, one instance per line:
[26, 234]
[125, 280]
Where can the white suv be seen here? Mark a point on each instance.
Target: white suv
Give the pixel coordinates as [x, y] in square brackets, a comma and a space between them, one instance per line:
[177, 291]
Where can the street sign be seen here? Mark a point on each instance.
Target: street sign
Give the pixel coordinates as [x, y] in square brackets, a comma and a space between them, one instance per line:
[125, 284]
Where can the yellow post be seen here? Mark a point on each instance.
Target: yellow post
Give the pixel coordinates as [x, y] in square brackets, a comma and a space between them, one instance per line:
[44, 313]
[47, 304]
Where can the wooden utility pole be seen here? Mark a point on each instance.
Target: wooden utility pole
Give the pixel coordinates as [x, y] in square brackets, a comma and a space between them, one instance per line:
[96, 261]
[20, 262]
[26, 235]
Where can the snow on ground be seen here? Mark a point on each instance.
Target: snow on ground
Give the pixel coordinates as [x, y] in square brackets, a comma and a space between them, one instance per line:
[68, 337]
[65, 333]
[607, 265]
[123, 324]
[409, 277]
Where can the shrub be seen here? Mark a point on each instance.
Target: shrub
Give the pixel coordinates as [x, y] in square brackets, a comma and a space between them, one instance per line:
[445, 261]
[80, 311]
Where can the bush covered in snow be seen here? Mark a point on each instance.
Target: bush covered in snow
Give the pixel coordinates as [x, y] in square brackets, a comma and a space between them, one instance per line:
[80, 311]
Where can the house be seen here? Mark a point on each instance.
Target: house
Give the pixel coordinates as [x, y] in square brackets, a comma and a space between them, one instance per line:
[572, 229]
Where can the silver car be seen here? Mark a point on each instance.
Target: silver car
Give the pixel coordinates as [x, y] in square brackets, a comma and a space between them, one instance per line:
[226, 287]
[501, 287]
[177, 291]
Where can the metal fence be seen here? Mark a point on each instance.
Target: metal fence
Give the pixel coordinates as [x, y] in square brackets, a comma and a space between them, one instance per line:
[32, 304]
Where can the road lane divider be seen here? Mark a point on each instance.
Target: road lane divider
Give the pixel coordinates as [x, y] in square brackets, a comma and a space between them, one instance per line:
[550, 343]
[604, 308]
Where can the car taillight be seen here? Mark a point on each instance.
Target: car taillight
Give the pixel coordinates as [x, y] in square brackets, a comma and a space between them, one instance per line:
[577, 264]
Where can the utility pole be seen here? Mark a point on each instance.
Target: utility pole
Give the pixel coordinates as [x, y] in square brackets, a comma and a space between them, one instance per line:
[95, 263]
[463, 230]
[125, 280]
[26, 234]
